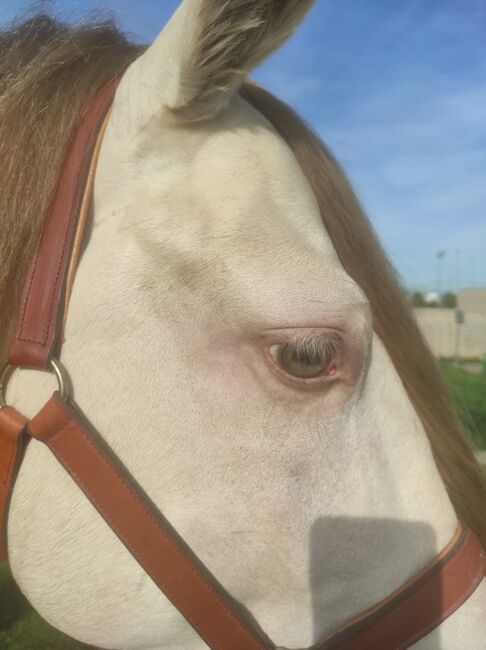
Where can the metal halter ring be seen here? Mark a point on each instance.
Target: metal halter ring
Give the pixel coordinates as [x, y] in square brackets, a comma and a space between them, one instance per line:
[57, 369]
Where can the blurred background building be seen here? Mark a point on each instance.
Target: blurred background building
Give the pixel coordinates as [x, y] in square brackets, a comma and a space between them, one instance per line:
[456, 333]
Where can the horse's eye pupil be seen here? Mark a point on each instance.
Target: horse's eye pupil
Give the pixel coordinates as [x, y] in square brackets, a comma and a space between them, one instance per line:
[304, 362]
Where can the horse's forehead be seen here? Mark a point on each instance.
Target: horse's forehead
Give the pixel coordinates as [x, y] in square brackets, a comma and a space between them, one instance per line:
[234, 178]
[247, 167]
[233, 203]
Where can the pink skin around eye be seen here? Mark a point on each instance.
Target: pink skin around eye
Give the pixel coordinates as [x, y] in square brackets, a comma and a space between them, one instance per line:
[332, 370]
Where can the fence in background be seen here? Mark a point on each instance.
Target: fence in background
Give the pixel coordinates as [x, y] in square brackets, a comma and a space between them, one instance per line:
[448, 338]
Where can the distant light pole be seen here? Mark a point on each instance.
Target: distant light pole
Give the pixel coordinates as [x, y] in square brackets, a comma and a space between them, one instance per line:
[440, 256]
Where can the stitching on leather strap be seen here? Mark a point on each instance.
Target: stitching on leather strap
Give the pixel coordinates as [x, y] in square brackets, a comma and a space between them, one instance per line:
[13, 432]
[61, 435]
[350, 635]
[478, 576]
[462, 598]
[152, 519]
[10, 462]
[75, 197]
[389, 604]
[63, 418]
[82, 217]
[56, 282]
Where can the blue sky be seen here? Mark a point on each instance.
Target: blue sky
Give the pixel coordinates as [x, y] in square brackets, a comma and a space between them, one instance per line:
[398, 91]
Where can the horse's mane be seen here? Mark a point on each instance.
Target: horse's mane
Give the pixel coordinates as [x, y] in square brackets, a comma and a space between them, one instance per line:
[48, 71]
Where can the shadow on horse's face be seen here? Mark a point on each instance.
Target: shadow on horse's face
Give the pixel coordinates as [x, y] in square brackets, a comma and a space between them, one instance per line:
[230, 361]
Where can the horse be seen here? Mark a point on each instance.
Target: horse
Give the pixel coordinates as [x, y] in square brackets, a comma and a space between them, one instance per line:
[238, 336]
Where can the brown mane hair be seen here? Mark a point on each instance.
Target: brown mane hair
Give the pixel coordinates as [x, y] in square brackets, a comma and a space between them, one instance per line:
[365, 261]
[48, 71]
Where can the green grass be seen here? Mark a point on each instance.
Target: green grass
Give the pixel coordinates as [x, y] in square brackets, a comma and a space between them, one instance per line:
[470, 393]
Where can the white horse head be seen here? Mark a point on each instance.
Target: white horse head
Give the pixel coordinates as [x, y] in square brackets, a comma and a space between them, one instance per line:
[244, 373]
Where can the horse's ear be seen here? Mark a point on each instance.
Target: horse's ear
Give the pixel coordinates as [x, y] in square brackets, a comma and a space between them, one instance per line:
[210, 45]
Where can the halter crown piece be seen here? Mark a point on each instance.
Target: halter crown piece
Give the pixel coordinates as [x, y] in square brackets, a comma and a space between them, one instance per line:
[398, 622]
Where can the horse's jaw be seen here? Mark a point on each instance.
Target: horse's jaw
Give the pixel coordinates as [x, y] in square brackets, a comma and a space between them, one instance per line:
[294, 499]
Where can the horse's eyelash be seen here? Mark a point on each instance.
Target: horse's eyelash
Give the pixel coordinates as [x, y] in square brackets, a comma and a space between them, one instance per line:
[314, 346]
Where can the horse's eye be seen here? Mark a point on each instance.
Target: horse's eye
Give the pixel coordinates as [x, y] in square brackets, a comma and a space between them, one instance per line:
[305, 360]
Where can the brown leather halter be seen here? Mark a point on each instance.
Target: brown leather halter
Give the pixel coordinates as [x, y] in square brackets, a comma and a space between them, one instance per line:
[396, 623]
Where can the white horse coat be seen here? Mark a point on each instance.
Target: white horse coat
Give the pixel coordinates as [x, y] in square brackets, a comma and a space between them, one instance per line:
[309, 500]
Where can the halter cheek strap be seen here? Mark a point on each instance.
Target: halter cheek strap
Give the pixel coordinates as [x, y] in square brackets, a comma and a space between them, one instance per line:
[421, 604]
[13, 439]
[394, 624]
[43, 297]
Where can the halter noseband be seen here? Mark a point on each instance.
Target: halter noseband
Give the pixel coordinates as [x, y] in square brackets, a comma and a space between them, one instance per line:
[399, 621]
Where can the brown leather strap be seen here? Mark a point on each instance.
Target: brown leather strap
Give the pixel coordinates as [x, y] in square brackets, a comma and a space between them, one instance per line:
[421, 605]
[39, 318]
[81, 220]
[394, 624]
[12, 442]
[143, 530]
